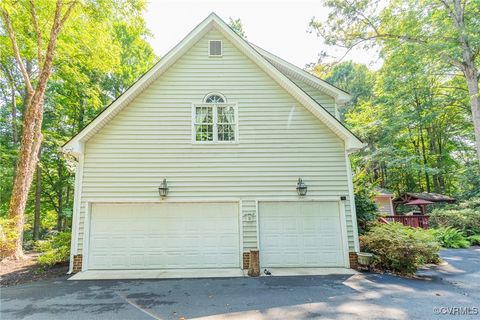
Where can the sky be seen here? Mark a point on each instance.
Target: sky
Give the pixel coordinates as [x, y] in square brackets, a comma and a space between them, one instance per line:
[277, 26]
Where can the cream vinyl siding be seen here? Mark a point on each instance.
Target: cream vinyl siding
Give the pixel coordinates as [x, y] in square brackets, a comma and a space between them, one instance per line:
[151, 139]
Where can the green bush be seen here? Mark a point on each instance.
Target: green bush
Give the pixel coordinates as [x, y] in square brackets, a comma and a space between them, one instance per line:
[56, 249]
[464, 217]
[450, 238]
[474, 240]
[400, 249]
[8, 235]
[366, 209]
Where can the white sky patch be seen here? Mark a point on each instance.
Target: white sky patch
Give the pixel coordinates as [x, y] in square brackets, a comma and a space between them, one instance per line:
[275, 25]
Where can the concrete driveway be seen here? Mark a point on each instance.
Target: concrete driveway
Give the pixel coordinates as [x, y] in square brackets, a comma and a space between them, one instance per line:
[450, 291]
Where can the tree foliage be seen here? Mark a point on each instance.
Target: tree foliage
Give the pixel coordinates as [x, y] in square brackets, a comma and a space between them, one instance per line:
[237, 26]
[443, 32]
[101, 51]
[414, 114]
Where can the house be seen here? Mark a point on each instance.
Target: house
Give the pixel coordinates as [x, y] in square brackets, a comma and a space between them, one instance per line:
[383, 200]
[223, 130]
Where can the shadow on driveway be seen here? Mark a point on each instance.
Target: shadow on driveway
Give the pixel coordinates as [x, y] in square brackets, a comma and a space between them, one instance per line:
[372, 296]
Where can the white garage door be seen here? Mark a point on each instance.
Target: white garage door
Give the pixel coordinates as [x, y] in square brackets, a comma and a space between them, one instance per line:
[300, 234]
[168, 235]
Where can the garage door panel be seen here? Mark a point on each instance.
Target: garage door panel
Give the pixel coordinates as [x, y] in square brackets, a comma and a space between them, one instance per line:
[173, 235]
[300, 234]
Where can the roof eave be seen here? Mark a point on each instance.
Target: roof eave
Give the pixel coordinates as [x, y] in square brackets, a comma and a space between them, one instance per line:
[341, 97]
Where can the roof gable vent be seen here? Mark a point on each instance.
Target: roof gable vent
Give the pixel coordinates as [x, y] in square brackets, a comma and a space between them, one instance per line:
[215, 48]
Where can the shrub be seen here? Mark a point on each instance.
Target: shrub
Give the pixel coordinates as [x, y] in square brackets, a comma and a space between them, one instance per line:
[8, 235]
[56, 249]
[464, 217]
[450, 238]
[400, 249]
[474, 240]
[366, 209]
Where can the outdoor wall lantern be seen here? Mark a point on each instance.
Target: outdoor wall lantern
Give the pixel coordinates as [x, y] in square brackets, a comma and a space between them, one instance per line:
[301, 188]
[163, 189]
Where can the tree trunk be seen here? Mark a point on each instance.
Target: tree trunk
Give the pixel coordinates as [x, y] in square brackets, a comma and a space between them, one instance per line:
[27, 160]
[419, 172]
[471, 75]
[469, 69]
[431, 133]
[38, 194]
[32, 122]
[67, 203]
[425, 162]
[60, 197]
[14, 116]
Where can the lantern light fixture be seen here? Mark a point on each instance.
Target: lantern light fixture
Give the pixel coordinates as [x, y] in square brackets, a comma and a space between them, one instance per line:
[163, 189]
[301, 187]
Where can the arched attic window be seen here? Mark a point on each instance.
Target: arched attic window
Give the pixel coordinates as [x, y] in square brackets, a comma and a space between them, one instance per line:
[214, 97]
[215, 120]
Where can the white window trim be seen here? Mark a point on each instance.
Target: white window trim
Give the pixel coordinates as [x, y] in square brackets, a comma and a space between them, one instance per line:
[221, 49]
[215, 123]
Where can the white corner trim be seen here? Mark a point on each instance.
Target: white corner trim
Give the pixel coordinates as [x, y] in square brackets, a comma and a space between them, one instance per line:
[353, 210]
[86, 236]
[343, 227]
[77, 196]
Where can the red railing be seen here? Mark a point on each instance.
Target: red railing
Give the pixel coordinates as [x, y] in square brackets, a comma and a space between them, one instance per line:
[416, 221]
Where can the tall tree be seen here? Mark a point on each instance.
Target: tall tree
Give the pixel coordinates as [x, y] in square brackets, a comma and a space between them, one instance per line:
[32, 124]
[415, 123]
[354, 78]
[444, 29]
[73, 58]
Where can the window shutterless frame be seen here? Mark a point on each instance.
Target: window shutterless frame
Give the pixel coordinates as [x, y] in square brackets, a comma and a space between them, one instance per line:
[214, 107]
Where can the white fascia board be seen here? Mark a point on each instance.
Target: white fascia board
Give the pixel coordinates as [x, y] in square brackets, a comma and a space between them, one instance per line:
[340, 96]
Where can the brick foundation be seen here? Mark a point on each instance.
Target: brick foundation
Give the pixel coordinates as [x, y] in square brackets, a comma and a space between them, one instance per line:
[77, 263]
[353, 260]
[254, 264]
[246, 260]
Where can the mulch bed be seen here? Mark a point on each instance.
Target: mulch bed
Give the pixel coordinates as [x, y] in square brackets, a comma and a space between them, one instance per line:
[14, 272]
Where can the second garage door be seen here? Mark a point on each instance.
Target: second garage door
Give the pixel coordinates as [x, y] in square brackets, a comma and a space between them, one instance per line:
[300, 234]
[159, 236]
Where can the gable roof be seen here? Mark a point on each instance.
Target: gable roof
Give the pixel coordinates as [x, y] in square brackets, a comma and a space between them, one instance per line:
[352, 143]
[292, 71]
[429, 196]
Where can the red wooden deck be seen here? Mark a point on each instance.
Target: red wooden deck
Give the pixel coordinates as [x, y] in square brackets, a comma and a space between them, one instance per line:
[417, 221]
